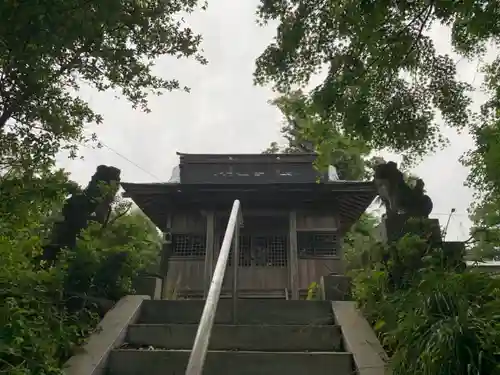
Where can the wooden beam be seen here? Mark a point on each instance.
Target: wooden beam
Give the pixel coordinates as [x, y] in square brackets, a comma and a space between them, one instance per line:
[293, 264]
[209, 255]
[258, 212]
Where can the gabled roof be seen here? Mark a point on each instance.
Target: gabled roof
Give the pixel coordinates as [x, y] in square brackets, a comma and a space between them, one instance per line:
[350, 198]
[259, 181]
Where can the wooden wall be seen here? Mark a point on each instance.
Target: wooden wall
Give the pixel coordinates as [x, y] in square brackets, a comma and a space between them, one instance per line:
[311, 268]
[316, 221]
[194, 274]
[186, 274]
[188, 222]
[258, 278]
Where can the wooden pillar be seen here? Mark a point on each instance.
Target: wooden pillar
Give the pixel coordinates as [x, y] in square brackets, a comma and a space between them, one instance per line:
[293, 263]
[209, 255]
[165, 257]
[338, 244]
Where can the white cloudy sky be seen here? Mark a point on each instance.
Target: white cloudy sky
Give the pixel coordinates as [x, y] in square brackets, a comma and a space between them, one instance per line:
[225, 113]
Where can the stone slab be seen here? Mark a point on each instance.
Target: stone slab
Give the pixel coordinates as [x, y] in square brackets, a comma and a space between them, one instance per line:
[249, 311]
[238, 337]
[174, 362]
[360, 339]
[111, 332]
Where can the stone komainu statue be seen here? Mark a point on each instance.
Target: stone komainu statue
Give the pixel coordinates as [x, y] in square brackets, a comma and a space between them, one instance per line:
[93, 203]
[397, 196]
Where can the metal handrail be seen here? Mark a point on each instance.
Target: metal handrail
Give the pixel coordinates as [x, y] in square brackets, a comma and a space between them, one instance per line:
[200, 346]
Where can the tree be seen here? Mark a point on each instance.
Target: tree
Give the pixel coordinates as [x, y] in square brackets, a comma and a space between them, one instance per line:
[358, 243]
[385, 81]
[349, 156]
[100, 268]
[32, 200]
[108, 257]
[384, 77]
[484, 177]
[430, 298]
[301, 119]
[49, 49]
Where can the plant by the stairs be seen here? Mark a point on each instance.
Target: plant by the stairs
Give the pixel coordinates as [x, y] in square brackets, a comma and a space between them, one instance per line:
[45, 313]
[432, 318]
[36, 331]
[313, 292]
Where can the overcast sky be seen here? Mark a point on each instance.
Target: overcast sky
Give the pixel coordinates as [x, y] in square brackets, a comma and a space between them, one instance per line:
[225, 113]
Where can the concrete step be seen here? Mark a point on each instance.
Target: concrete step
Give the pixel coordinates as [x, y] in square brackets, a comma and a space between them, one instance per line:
[238, 337]
[174, 362]
[250, 311]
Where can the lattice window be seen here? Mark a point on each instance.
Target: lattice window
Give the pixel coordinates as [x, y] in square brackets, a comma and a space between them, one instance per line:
[317, 244]
[270, 251]
[262, 251]
[188, 245]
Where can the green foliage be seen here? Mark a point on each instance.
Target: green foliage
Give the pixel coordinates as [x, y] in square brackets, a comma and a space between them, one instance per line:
[357, 244]
[49, 49]
[304, 125]
[385, 82]
[485, 233]
[384, 76]
[47, 313]
[484, 175]
[450, 326]
[36, 332]
[432, 317]
[29, 197]
[108, 258]
[313, 292]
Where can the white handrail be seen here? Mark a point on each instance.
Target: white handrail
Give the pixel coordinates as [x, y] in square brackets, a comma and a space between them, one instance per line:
[200, 346]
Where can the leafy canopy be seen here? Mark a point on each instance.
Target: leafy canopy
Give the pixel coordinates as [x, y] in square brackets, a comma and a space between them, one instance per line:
[48, 51]
[50, 48]
[384, 77]
[302, 123]
[484, 175]
[386, 83]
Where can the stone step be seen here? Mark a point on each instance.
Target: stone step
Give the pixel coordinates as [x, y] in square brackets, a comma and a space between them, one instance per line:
[174, 362]
[250, 311]
[239, 337]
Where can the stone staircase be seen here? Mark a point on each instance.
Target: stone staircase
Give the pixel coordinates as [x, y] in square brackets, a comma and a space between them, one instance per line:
[269, 337]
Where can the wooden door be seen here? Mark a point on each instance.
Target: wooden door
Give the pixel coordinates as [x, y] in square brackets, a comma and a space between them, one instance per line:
[263, 255]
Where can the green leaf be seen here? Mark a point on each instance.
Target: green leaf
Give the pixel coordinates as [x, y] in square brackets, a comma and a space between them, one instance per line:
[379, 325]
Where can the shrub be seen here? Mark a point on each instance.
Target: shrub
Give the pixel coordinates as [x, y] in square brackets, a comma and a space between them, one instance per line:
[36, 331]
[41, 323]
[432, 317]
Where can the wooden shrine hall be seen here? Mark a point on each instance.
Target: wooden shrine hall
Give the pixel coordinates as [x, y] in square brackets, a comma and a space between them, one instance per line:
[293, 220]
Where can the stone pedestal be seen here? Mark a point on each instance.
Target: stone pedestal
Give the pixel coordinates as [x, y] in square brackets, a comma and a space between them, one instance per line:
[396, 226]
